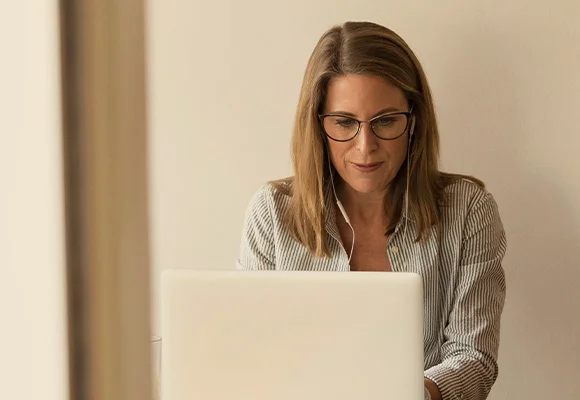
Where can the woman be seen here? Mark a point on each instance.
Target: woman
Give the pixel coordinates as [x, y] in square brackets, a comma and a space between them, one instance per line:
[367, 195]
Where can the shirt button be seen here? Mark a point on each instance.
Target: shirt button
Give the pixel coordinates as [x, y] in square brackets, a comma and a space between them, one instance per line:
[395, 249]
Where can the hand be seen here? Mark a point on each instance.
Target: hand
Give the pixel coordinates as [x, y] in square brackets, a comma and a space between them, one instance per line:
[431, 390]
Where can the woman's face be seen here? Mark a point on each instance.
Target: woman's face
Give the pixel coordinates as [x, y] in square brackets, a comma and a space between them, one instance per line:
[366, 163]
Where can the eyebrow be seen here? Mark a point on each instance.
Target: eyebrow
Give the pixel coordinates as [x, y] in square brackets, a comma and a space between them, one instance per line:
[381, 112]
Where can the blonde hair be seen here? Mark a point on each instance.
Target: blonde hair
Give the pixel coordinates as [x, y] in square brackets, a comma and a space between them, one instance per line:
[363, 48]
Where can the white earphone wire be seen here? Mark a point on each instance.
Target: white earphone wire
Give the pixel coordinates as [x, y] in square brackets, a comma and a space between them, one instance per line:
[411, 131]
[407, 189]
[339, 204]
[341, 207]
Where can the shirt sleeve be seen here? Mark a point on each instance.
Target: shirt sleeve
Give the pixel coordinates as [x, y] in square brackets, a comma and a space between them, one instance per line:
[257, 248]
[469, 353]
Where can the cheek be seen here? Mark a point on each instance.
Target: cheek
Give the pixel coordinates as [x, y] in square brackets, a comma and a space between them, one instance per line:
[397, 152]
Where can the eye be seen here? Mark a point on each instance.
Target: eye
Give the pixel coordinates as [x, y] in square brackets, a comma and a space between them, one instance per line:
[385, 121]
[344, 122]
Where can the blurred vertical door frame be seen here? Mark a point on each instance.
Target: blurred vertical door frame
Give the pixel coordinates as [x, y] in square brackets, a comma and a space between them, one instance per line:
[105, 175]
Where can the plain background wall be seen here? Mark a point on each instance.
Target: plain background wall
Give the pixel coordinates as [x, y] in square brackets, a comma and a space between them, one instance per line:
[33, 356]
[224, 81]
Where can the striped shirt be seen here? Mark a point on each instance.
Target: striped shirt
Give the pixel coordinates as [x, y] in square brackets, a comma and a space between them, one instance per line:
[463, 278]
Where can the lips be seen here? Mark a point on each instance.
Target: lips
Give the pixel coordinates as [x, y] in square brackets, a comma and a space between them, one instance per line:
[368, 167]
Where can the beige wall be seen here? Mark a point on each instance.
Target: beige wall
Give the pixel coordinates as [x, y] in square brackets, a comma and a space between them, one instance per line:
[33, 361]
[224, 81]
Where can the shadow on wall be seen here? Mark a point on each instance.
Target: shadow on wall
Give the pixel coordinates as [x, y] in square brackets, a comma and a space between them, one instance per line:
[504, 112]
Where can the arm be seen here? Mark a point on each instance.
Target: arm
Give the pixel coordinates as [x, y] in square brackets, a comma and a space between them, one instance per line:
[469, 367]
[257, 250]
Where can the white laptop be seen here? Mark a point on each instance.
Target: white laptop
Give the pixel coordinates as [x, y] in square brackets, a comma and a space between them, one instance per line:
[251, 335]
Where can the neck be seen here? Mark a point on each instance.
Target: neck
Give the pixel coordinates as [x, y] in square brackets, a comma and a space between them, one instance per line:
[368, 208]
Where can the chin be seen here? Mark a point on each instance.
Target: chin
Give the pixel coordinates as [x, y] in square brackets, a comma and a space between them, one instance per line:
[366, 187]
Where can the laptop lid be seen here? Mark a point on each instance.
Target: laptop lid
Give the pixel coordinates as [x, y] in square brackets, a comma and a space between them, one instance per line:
[272, 335]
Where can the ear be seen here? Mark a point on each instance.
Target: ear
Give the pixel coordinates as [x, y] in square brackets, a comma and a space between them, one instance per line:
[412, 130]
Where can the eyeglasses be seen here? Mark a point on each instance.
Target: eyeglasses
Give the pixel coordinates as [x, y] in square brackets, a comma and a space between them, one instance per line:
[342, 128]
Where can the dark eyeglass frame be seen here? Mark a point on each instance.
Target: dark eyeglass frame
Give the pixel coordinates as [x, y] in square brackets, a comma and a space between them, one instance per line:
[408, 114]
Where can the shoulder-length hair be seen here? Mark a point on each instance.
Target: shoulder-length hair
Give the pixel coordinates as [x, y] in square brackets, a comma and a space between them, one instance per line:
[363, 48]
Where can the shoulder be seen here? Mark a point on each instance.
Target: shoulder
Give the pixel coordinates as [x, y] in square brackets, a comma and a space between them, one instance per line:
[468, 204]
[270, 200]
[464, 196]
[472, 228]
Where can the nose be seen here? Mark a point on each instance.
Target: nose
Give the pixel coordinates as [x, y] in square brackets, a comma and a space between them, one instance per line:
[366, 141]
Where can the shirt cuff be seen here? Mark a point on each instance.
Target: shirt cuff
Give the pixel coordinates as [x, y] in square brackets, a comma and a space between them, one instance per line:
[447, 380]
